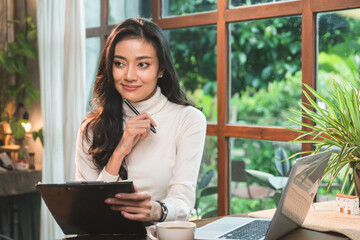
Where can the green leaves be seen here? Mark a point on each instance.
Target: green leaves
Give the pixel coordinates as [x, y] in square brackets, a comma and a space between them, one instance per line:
[14, 62]
[17, 129]
[203, 190]
[336, 124]
[283, 166]
[206, 178]
[38, 134]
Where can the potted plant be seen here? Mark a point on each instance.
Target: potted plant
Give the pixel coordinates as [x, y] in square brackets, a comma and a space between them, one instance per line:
[336, 126]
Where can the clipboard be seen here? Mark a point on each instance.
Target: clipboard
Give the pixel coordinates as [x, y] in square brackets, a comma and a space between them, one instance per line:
[80, 208]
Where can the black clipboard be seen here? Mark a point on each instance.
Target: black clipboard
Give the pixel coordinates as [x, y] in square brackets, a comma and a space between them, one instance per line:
[79, 207]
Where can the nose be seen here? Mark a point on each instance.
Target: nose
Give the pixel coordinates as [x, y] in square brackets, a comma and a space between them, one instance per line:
[131, 74]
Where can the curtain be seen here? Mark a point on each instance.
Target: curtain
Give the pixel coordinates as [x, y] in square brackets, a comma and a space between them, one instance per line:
[61, 46]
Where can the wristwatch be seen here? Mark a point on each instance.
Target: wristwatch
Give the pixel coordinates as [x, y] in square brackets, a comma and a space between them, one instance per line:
[164, 211]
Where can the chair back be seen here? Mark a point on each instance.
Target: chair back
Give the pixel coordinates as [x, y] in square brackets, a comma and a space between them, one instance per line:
[238, 173]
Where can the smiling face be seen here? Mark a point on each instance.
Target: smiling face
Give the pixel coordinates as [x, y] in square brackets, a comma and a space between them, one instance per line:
[135, 69]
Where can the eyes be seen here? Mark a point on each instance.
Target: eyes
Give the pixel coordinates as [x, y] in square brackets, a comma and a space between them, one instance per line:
[141, 65]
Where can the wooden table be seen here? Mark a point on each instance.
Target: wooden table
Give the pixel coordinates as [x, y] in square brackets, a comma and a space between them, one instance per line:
[298, 234]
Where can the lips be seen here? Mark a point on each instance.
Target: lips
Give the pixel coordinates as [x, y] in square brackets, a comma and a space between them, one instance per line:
[130, 87]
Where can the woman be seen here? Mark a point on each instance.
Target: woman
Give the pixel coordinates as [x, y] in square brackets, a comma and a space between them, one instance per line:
[114, 143]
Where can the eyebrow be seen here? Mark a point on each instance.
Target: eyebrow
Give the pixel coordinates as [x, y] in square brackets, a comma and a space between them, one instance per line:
[138, 58]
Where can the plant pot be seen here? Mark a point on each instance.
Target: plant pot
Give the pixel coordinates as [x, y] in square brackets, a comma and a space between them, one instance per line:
[356, 174]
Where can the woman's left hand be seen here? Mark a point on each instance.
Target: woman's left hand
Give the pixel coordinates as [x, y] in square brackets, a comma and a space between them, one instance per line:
[134, 206]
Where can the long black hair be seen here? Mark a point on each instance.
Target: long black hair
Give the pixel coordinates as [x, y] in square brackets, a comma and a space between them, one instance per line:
[105, 120]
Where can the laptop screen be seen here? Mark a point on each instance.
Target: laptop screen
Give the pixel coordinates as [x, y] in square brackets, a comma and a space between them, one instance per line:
[303, 183]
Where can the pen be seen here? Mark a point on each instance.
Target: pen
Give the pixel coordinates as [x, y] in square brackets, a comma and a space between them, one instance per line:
[152, 128]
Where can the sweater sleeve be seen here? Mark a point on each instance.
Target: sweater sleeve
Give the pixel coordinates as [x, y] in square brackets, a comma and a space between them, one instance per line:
[85, 167]
[190, 141]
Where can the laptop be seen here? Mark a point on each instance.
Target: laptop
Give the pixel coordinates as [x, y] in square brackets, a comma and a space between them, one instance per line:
[298, 195]
[79, 207]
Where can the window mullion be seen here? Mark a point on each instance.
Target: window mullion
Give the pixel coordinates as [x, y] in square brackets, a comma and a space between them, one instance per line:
[308, 54]
[222, 99]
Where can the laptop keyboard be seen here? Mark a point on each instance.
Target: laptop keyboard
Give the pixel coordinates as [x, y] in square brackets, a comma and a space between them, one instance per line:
[253, 230]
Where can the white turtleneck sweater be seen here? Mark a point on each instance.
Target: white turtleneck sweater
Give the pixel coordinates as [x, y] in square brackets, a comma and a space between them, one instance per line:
[165, 164]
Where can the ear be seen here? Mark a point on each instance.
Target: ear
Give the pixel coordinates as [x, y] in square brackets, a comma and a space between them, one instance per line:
[161, 73]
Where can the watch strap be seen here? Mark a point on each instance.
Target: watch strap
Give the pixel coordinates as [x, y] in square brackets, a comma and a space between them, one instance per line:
[164, 211]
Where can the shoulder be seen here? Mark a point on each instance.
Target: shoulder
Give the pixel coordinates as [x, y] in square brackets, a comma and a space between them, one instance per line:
[186, 113]
[85, 132]
[191, 118]
[193, 114]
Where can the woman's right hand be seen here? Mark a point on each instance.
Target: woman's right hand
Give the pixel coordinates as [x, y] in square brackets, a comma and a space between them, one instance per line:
[137, 127]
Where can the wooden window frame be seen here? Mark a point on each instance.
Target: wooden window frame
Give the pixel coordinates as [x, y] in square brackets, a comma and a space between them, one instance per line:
[221, 17]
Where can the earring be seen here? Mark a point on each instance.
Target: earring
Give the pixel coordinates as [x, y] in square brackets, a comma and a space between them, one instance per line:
[161, 76]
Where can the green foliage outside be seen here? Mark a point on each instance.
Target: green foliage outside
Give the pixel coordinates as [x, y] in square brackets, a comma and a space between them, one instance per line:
[183, 7]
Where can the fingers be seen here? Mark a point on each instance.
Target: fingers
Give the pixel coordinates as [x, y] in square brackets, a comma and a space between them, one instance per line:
[137, 196]
[134, 206]
[137, 127]
[145, 117]
[142, 120]
[130, 199]
[135, 217]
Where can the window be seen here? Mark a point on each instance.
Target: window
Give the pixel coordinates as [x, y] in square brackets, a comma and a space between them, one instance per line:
[183, 7]
[247, 64]
[265, 70]
[239, 3]
[194, 53]
[338, 49]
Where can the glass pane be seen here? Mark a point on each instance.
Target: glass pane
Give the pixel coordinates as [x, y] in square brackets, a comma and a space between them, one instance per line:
[265, 70]
[238, 3]
[119, 10]
[257, 155]
[339, 47]
[194, 53]
[92, 13]
[92, 62]
[206, 205]
[183, 7]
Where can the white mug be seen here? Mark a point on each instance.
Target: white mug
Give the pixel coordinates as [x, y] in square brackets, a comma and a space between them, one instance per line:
[173, 230]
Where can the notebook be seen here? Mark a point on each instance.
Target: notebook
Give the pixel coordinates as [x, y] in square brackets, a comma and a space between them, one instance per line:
[298, 194]
[79, 207]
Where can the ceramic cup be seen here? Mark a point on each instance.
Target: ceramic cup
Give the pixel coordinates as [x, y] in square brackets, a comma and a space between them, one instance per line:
[174, 230]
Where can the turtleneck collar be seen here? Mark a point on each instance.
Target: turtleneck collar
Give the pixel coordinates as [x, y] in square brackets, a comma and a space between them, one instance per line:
[151, 106]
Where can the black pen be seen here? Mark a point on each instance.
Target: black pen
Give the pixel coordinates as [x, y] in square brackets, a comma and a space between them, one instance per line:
[152, 128]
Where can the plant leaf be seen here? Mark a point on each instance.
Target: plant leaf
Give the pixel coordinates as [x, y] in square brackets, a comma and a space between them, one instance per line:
[208, 191]
[206, 179]
[261, 177]
[278, 182]
[282, 165]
